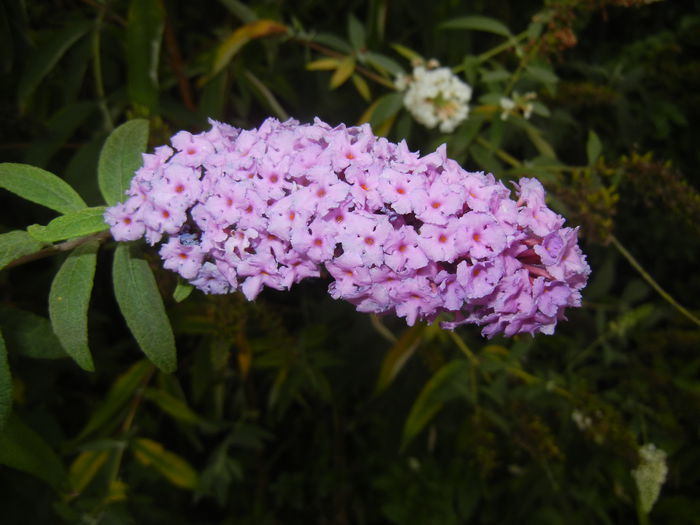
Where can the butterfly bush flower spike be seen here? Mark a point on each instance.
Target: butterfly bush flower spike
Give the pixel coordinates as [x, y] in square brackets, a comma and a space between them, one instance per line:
[398, 233]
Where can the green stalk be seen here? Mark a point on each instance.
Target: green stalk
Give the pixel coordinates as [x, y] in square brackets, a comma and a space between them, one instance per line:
[649, 279]
[97, 70]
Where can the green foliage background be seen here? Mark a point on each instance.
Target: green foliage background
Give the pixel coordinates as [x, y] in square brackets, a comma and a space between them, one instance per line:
[124, 398]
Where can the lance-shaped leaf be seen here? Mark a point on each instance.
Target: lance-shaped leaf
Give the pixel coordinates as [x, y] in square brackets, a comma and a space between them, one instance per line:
[120, 158]
[28, 334]
[40, 186]
[24, 449]
[386, 107]
[593, 147]
[478, 23]
[5, 386]
[71, 225]
[43, 59]
[399, 354]
[16, 244]
[142, 306]
[450, 382]
[144, 34]
[121, 392]
[173, 467]
[85, 467]
[240, 37]
[69, 299]
[346, 67]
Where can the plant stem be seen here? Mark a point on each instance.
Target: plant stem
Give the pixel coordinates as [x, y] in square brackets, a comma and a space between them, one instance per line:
[58, 248]
[97, 70]
[649, 279]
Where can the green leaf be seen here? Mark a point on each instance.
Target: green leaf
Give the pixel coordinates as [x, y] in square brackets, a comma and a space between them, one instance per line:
[362, 87]
[448, 383]
[84, 469]
[173, 467]
[398, 356]
[407, 53]
[266, 96]
[5, 386]
[542, 74]
[387, 106]
[173, 406]
[59, 129]
[593, 147]
[240, 10]
[478, 23]
[240, 37]
[29, 335]
[69, 299]
[16, 244]
[144, 34]
[121, 392]
[182, 291]
[40, 186]
[356, 32]
[23, 449]
[43, 59]
[383, 63]
[345, 69]
[142, 306]
[539, 142]
[120, 158]
[75, 224]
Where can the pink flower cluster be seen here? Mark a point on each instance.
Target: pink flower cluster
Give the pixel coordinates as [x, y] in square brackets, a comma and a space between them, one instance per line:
[400, 233]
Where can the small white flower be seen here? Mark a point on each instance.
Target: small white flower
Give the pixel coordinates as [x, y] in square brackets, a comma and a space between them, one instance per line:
[582, 421]
[650, 475]
[435, 96]
[507, 105]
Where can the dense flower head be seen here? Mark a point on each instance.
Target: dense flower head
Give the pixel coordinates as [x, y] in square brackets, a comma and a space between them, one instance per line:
[416, 236]
[435, 96]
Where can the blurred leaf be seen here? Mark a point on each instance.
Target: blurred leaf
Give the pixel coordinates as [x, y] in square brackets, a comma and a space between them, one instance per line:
[593, 147]
[23, 449]
[5, 386]
[484, 158]
[40, 186]
[6, 45]
[44, 58]
[448, 383]
[386, 107]
[356, 32]
[362, 87]
[496, 75]
[182, 291]
[173, 467]
[214, 96]
[333, 41]
[383, 63]
[16, 244]
[74, 224]
[29, 335]
[84, 469]
[59, 129]
[118, 396]
[542, 74]
[323, 64]
[407, 53]
[478, 23]
[173, 406]
[345, 69]
[144, 34]
[398, 356]
[120, 158]
[266, 96]
[142, 306]
[538, 141]
[240, 10]
[69, 300]
[240, 37]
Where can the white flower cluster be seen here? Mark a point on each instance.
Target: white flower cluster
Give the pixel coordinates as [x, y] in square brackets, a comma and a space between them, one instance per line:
[518, 103]
[650, 475]
[434, 95]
